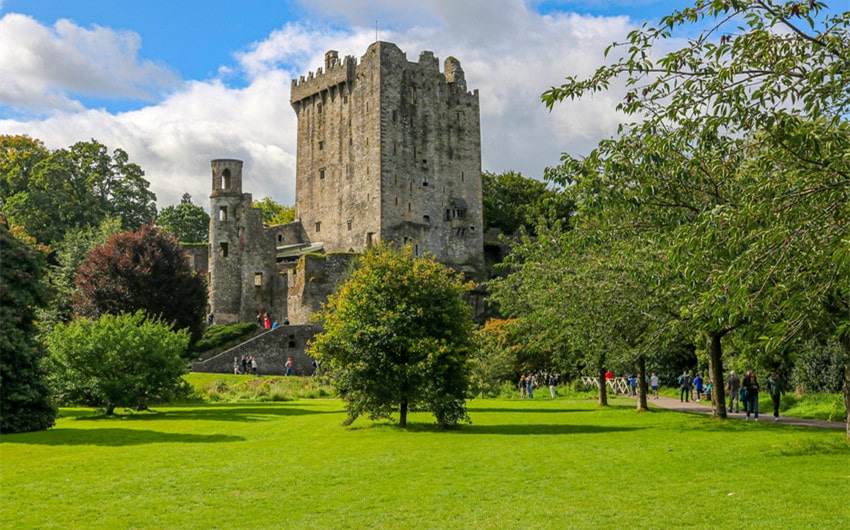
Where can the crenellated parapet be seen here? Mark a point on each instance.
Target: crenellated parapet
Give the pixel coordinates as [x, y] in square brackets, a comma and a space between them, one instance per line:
[335, 74]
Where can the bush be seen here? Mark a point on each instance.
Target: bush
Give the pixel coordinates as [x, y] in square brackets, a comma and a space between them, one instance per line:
[222, 337]
[126, 360]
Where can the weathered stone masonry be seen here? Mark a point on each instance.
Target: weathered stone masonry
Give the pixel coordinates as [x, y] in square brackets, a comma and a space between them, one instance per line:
[388, 150]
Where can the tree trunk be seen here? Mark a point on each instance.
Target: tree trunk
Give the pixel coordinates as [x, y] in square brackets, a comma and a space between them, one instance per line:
[603, 388]
[641, 383]
[402, 412]
[715, 368]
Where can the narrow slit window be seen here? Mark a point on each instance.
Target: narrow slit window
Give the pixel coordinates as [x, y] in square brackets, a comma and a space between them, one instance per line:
[222, 250]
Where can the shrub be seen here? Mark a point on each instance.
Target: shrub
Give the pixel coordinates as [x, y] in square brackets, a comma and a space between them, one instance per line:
[221, 337]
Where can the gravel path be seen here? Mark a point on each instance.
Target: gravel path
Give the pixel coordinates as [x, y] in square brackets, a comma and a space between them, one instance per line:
[704, 407]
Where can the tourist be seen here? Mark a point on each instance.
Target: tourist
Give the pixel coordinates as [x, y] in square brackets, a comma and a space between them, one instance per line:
[609, 376]
[775, 387]
[653, 383]
[685, 386]
[698, 385]
[751, 395]
[632, 381]
[523, 390]
[243, 362]
[315, 367]
[288, 366]
[210, 319]
[235, 365]
[253, 365]
[529, 382]
[552, 381]
[267, 323]
[733, 386]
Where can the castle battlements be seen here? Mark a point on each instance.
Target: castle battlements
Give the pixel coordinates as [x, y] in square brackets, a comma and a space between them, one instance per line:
[336, 74]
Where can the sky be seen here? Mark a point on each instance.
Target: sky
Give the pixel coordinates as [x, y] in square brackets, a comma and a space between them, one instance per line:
[176, 84]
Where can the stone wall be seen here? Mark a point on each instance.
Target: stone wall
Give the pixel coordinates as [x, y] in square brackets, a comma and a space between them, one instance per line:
[314, 279]
[271, 349]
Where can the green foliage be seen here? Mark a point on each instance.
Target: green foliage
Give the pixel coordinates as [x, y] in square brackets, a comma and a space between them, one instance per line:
[511, 202]
[232, 388]
[275, 213]
[398, 334]
[78, 187]
[146, 270]
[819, 367]
[219, 336]
[25, 403]
[187, 222]
[126, 360]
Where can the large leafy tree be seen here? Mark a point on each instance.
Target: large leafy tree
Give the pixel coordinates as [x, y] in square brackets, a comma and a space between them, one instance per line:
[397, 335]
[767, 80]
[511, 202]
[125, 360]
[188, 222]
[25, 403]
[71, 188]
[275, 213]
[148, 270]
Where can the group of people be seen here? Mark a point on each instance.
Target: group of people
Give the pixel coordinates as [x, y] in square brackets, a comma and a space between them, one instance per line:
[688, 386]
[245, 365]
[528, 382]
[746, 391]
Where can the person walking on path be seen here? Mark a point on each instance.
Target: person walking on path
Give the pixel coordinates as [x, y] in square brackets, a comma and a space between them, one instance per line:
[685, 387]
[775, 387]
[522, 388]
[653, 382]
[529, 382]
[552, 381]
[733, 386]
[698, 385]
[751, 394]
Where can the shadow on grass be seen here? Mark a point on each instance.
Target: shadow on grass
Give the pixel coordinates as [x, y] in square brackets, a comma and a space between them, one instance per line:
[114, 437]
[232, 412]
[542, 429]
[485, 410]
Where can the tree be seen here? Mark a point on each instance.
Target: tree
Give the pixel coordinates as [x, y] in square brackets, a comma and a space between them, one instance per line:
[68, 255]
[397, 333]
[125, 360]
[72, 188]
[511, 201]
[147, 270]
[768, 81]
[25, 403]
[18, 156]
[187, 222]
[275, 213]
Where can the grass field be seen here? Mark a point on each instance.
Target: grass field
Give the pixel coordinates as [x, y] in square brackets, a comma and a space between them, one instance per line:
[522, 464]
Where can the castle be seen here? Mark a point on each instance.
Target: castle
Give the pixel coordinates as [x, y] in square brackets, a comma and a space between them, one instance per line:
[388, 150]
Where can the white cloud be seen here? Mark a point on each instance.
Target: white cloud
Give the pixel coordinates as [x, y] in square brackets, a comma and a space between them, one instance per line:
[43, 67]
[510, 53]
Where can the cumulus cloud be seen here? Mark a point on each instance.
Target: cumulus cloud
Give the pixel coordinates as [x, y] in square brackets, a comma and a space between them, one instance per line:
[509, 52]
[43, 67]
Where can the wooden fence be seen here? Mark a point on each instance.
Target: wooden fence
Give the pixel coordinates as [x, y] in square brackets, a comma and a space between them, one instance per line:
[619, 385]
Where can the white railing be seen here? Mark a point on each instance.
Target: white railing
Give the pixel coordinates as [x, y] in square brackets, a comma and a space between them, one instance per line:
[619, 385]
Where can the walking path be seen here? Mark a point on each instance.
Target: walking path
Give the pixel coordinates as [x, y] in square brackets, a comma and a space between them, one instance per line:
[704, 407]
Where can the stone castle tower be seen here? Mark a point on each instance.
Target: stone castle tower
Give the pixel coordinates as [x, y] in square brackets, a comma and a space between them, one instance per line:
[390, 150]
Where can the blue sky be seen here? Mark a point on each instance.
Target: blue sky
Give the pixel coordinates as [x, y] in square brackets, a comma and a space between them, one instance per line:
[176, 83]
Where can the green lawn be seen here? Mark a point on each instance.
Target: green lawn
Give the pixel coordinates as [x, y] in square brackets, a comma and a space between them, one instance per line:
[521, 464]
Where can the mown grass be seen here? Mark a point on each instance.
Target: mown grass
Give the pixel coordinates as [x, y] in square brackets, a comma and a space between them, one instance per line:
[562, 463]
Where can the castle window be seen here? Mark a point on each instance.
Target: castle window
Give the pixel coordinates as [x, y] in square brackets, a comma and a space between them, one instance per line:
[395, 116]
[258, 279]
[322, 173]
[409, 207]
[318, 108]
[222, 250]
[318, 226]
[225, 179]
[416, 249]
[396, 201]
[461, 176]
[349, 225]
[222, 213]
[280, 238]
[426, 219]
[321, 145]
[344, 99]
[291, 341]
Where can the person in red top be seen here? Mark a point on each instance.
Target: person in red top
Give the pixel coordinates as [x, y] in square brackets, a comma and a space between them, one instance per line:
[609, 375]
